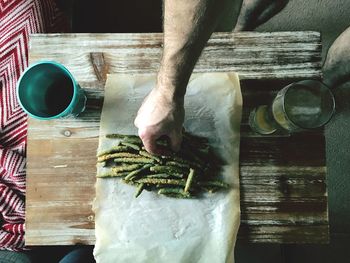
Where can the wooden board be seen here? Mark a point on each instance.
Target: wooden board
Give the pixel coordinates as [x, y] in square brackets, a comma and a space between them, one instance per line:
[283, 189]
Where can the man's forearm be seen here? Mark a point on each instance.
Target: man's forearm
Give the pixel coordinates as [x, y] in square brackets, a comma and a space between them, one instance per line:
[188, 25]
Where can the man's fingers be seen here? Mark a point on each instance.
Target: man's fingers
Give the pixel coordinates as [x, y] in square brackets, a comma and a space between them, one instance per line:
[336, 69]
[150, 146]
[270, 11]
[256, 12]
[175, 140]
[149, 141]
[136, 121]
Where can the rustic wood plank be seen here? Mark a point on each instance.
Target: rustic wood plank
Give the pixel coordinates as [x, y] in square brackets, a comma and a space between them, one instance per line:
[253, 55]
[283, 189]
[284, 234]
[282, 178]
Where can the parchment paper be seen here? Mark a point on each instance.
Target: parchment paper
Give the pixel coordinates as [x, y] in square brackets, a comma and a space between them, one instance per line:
[154, 228]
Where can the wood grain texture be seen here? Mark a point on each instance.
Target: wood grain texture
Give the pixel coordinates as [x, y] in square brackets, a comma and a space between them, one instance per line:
[253, 55]
[283, 189]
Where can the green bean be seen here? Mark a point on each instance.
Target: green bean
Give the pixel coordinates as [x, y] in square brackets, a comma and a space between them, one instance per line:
[137, 172]
[126, 168]
[148, 155]
[133, 183]
[116, 155]
[133, 140]
[180, 175]
[189, 180]
[174, 158]
[161, 181]
[182, 162]
[178, 164]
[166, 169]
[213, 183]
[133, 160]
[111, 173]
[120, 136]
[186, 151]
[174, 192]
[163, 175]
[131, 145]
[178, 196]
[139, 190]
[114, 149]
[160, 175]
[200, 154]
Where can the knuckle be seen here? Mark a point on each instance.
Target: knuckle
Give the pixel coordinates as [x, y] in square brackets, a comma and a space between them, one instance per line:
[143, 134]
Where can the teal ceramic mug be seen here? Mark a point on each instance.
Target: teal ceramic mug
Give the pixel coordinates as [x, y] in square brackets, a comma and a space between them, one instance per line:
[47, 90]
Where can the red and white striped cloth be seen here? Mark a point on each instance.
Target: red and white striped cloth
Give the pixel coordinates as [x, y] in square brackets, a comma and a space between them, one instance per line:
[18, 19]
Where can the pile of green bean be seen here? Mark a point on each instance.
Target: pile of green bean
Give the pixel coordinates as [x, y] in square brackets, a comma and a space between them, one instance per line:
[186, 174]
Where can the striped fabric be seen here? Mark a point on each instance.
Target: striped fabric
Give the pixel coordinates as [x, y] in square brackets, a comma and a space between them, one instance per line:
[18, 19]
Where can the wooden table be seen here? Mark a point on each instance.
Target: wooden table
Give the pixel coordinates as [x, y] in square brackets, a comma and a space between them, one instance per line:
[283, 189]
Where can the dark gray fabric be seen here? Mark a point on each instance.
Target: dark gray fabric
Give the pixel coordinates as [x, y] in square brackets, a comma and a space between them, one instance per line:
[79, 255]
[13, 257]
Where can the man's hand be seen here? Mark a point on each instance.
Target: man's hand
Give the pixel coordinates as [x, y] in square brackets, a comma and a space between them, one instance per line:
[256, 12]
[160, 115]
[188, 25]
[336, 69]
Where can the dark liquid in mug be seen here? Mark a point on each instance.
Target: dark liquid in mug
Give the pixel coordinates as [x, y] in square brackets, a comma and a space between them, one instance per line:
[58, 96]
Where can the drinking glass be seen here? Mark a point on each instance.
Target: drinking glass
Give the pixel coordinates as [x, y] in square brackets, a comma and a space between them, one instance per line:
[300, 106]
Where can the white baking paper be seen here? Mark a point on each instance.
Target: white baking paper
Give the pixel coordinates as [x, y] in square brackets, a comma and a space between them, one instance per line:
[154, 228]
